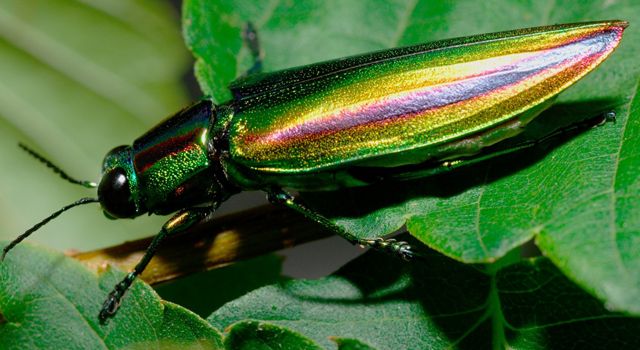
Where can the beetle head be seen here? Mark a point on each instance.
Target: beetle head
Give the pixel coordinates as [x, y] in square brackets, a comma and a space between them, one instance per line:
[118, 190]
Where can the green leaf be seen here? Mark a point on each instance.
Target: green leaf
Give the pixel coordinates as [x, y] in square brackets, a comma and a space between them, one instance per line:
[78, 78]
[575, 195]
[50, 301]
[443, 304]
[251, 335]
[202, 293]
[351, 344]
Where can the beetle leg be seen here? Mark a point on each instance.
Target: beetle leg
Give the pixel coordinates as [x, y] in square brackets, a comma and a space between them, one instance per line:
[250, 36]
[178, 223]
[400, 250]
[448, 165]
[585, 124]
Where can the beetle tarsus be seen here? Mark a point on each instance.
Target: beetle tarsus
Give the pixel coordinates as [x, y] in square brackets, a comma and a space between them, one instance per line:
[4, 253]
[401, 250]
[595, 121]
[114, 299]
[607, 116]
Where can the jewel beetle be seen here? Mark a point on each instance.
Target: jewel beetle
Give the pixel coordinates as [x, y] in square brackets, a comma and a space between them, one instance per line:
[389, 115]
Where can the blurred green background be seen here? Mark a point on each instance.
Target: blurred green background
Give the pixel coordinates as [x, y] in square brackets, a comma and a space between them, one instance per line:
[78, 78]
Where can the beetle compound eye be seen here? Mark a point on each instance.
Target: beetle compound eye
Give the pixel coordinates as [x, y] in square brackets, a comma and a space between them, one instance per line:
[115, 195]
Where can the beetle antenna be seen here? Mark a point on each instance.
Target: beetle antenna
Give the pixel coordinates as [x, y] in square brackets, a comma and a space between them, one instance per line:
[56, 169]
[44, 222]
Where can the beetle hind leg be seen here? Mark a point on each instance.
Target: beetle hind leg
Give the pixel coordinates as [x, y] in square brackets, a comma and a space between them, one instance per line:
[400, 249]
[373, 175]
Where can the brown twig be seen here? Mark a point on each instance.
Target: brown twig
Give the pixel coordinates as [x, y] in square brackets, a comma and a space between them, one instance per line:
[218, 242]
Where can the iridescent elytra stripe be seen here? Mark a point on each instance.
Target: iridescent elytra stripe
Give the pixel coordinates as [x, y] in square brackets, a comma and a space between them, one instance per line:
[354, 110]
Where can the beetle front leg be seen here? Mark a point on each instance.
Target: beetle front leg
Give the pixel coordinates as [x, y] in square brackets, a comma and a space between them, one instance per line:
[400, 250]
[178, 223]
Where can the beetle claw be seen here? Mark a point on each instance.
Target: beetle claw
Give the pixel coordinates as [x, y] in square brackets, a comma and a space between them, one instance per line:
[110, 306]
[113, 301]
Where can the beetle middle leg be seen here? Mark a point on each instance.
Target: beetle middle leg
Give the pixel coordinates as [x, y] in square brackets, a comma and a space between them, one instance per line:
[178, 223]
[400, 250]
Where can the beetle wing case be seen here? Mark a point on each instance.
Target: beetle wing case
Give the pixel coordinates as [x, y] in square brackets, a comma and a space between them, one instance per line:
[359, 109]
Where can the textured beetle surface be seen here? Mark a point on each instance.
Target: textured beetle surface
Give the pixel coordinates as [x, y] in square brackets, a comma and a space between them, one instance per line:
[350, 110]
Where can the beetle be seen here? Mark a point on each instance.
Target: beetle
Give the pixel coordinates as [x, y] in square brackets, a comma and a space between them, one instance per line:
[389, 115]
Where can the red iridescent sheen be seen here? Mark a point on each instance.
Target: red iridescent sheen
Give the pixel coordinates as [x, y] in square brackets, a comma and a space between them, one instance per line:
[408, 99]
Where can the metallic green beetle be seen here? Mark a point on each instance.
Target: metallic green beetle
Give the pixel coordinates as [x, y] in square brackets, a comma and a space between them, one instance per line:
[344, 123]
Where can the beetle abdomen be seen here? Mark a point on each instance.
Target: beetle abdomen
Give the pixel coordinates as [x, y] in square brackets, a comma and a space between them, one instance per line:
[407, 99]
